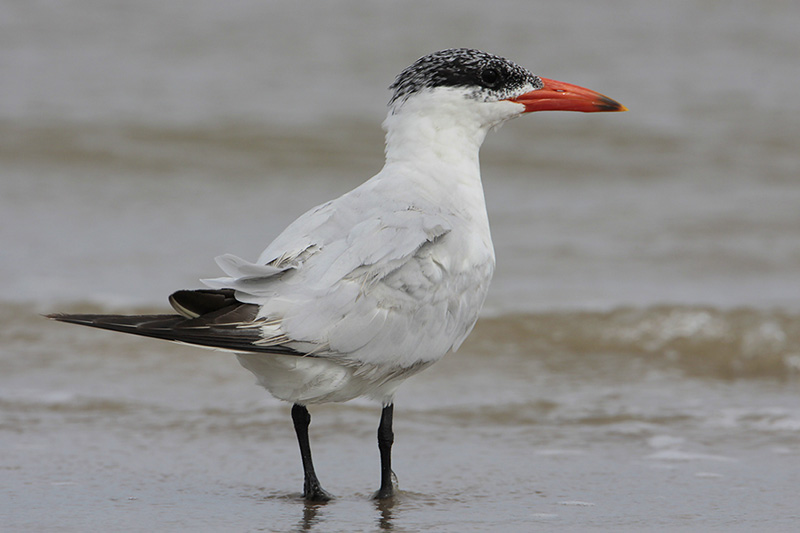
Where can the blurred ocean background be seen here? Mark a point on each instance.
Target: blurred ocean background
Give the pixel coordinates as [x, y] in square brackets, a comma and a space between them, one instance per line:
[637, 364]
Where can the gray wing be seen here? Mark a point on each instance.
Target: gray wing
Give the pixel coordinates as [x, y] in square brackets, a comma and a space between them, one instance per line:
[367, 282]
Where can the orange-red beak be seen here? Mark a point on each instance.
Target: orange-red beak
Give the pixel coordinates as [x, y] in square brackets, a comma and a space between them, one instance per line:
[560, 96]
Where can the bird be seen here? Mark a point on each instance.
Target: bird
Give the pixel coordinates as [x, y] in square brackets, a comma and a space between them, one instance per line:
[366, 290]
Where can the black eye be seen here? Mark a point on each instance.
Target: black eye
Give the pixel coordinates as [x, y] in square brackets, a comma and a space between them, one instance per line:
[491, 77]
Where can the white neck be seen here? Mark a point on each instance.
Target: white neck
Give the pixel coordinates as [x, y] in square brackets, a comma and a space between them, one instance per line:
[434, 139]
[442, 132]
[432, 136]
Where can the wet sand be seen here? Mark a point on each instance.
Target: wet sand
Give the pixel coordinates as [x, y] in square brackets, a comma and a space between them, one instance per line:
[109, 433]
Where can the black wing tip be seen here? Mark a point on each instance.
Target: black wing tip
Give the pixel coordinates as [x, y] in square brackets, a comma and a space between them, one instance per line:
[194, 303]
[113, 322]
[177, 328]
[68, 317]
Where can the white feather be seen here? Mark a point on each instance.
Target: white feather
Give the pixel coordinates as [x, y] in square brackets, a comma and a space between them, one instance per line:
[386, 279]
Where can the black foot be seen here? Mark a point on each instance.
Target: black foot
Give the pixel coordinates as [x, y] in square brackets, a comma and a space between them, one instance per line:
[384, 494]
[313, 492]
[387, 490]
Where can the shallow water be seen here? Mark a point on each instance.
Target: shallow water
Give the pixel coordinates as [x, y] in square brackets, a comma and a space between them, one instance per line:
[637, 364]
[105, 432]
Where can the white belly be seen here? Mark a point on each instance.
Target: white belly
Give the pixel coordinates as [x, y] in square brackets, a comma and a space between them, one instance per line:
[309, 380]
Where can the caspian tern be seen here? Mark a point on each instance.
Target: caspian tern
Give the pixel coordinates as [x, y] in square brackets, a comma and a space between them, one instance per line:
[368, 289]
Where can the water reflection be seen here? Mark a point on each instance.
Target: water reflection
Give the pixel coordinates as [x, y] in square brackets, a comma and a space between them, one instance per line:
[385, 510]
[311, 516]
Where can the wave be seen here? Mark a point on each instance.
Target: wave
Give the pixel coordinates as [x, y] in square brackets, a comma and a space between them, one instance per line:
[699, 341]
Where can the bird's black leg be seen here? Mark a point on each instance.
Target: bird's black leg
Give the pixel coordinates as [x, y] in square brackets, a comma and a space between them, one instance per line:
[385, 440]
[312, 490]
